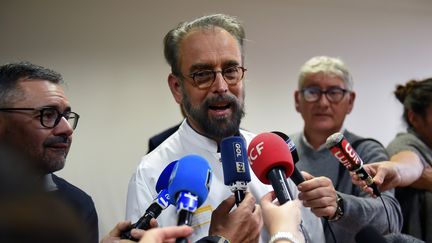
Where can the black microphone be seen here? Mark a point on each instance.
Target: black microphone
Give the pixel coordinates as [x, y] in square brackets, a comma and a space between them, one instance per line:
[235, 166]
[369, 234]
[272, 163]
[296, 175]
[346, 154]
[154, 210]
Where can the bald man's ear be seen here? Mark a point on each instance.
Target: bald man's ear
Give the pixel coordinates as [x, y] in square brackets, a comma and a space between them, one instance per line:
[176, 88]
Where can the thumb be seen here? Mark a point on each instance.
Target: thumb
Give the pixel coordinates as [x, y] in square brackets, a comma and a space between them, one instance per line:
[379, 177]
[307, 176]
[226, 205]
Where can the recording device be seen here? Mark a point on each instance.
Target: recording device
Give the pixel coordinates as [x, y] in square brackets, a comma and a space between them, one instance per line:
[296, 176]
[346, 154]
[159, 203]
[369, 234]
[272, 163]
[188, 187]
[235, 166]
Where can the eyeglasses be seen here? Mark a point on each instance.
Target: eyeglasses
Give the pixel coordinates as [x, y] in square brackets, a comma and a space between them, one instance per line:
[205, 78]
[334, 94]
[49, 116]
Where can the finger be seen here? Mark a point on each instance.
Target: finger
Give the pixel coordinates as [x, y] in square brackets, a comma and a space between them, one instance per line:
[314, 183]
[257, 215]
[268, 197]
[320, 202]
[368, 190]
[257, 212]
[379, 177]
[306, 175]
[226, 205]
[121, 226]
[153, 223]
[175, 231]
[248, 202]
[137, 233]
[328, 211]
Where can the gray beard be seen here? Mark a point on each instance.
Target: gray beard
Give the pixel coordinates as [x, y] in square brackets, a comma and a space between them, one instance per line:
[215, 128]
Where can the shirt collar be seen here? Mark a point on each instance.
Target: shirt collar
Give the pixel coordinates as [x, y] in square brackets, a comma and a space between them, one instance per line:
[199, 139]
[322, 146]
[49, 184]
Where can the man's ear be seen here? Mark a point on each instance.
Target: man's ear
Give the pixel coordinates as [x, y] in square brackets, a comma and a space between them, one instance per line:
[297, 100]
[352, 96]
[176, 88]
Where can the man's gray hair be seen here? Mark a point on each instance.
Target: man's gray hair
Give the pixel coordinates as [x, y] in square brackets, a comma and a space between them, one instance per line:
[326, 65]
[12, 73]
[175, 36]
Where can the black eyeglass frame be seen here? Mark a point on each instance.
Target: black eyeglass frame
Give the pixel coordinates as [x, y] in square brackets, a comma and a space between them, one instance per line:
[326, 93]
[66, 115]
[214, 73]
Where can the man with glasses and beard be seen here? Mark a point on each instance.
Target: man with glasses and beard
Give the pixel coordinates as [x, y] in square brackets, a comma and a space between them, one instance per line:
[37, 122]
[207, 78]
[324, 98]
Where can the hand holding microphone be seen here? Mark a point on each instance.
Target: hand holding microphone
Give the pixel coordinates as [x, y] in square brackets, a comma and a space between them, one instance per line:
[296, 176]
[316, 193]
[235, 166]
[346, 154]
[241, 224]
[272, 163]
[154, 210]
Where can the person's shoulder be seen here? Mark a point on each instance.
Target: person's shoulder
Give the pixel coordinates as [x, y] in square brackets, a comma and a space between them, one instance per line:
[160, 137]
[369, 149]
[358, 141]
[70, 190]
[404, 138]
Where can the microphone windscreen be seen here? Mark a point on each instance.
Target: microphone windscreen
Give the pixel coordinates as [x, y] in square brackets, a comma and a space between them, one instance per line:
[334, 139]
[369, 234]
[267, 151]
[191, 173]
[163, 180]
[235, 163]
[281, 134]
[290, 144]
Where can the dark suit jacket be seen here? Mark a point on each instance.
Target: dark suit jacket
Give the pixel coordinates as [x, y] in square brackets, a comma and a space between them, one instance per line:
[160, 137]
[82, 203]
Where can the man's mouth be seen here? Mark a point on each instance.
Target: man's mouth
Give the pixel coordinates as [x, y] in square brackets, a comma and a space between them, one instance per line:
[221, 109]
[220, 106]
[59, 146]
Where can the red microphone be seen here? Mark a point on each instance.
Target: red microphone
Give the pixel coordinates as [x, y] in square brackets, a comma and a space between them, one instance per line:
[271, 161]
[346, 154]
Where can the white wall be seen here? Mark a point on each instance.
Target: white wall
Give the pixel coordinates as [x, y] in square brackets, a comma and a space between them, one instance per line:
[110, 53]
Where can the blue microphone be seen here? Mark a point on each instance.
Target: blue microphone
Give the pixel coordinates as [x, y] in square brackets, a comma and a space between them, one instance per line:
[161, 202]
[235, 166]
[188, 187]
[163, 181]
